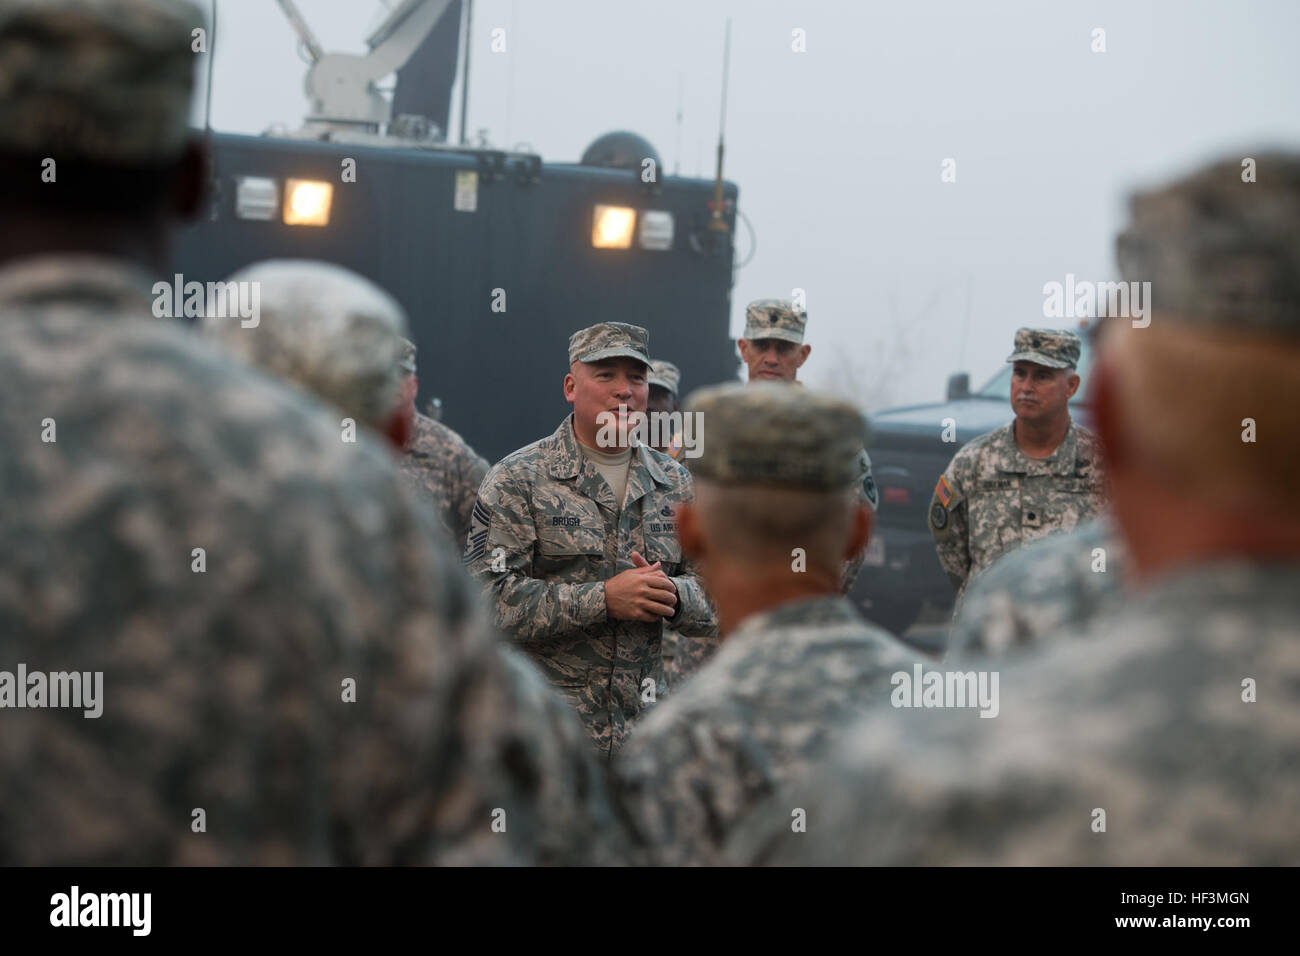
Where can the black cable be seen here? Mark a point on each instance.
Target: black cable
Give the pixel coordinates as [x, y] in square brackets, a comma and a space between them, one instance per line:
[753, 241]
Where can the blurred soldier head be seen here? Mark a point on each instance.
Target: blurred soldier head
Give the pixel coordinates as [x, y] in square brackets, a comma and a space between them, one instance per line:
[330, 331]
[773, 348]
[1199, 412]
[665, 379]
[1043, 379]
[776, 510]
[608, 377]
[95, 150]
[410, 382]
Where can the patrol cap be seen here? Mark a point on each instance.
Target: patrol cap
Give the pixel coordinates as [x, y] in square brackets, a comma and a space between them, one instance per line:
[771, 434]
[1055, 348]
[102, 80]
[1219, 248]
[774, 319]
[406, 355]
[609, 340]
[325, 328]
[665, 375]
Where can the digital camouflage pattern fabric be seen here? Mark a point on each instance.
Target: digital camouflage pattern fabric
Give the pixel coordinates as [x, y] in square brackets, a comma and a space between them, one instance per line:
[993, 497]
[1054, 348]
[609, 340]
[818, 444]
[821, 437]
[1177, 721]
[325, 328]
[442, 466]
[1217, 251]
[685, 653]
[775, 319]
[70, 94]
[1051, 587]
[665, 375]
[869, 495]
[545, 535]
[317, 679]
[753, 719]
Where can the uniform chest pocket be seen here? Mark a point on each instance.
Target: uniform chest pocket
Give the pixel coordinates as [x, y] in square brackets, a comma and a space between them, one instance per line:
[661, 543]
[558, 538]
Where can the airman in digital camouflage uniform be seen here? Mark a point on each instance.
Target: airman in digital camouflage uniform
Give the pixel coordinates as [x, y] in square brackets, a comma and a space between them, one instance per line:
[438, 462]
[1038, 474]
[574, 539]
[777, 508]
[1168, 735]
[1053, 586]
[293, 666]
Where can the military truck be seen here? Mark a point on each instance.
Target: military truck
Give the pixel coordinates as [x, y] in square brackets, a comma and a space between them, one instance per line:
[901, 572]
[496, 255]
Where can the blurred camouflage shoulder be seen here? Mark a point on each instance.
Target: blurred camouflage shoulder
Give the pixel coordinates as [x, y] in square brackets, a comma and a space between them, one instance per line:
[518, 721]
[1042, 590]
[285, 639]
[441, 464]
[1169, 739]
[752, 719]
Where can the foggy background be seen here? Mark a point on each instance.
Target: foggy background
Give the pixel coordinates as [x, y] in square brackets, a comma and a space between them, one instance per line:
[837, 151]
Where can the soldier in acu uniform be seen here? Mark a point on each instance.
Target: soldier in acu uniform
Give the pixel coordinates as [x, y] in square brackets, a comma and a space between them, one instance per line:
[438, 462]
[776, 511]
[1168, 736]
[1040, 473]
[773, 350]
[574, 539]
[293, 667]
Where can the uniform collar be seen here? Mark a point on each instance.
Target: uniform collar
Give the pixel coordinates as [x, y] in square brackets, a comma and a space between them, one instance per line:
[1061, 461]
[422, 429]
[42, 280]
[828, 610]
[567, 461]
[1221, 583]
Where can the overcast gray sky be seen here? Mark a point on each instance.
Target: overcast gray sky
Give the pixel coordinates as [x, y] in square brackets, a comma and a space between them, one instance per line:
[838, 150]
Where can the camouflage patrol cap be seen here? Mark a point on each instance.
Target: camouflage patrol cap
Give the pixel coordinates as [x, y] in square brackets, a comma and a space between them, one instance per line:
[406, 355]
[1055, 348]
[1219, 247]
[774, 319]
[770, 434]
[325, 328]
[665, 375]
[609, 340]
[102, 80]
